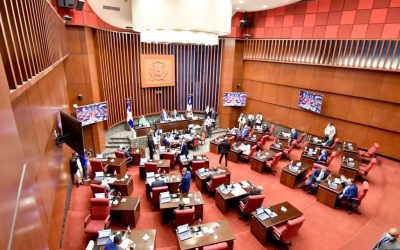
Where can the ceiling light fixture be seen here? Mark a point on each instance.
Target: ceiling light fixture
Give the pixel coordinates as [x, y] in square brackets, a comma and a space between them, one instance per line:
[182, 21]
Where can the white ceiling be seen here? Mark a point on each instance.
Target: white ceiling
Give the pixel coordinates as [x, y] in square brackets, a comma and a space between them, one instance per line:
[257, 5]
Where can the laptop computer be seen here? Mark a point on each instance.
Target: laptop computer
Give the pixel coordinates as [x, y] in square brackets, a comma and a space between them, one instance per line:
[183, 232]
[104, 237]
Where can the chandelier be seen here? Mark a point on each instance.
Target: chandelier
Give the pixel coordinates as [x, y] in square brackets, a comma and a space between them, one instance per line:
[181, 21]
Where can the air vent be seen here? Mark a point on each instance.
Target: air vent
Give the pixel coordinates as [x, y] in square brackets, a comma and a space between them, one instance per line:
[106, 7]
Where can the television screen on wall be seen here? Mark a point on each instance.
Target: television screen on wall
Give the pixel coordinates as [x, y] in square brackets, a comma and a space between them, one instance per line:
[234, 99]
[310, 101]
[92, 113]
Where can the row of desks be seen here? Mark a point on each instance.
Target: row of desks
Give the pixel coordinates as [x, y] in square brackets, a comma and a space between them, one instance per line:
[168, 126]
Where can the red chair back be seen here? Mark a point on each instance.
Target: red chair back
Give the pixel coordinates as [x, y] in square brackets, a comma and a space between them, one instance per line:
[372, 150]
[97, 165]
[196, 165]
[203, 135]
[216, 181]
[155, 194]
[252, 151]
[276, 160]
[363, 192]
[335, 142]
[219, 246]
[195, 143]
[150, 167]
[231, 140]
[292, 228]
[170, 157]
[301, 137]
[253, 202]
[96, 189]
[184, 216]
[100, 208]
[271, 129]
[119, 154]
[330, 158]
[369, 166]
[263, 140]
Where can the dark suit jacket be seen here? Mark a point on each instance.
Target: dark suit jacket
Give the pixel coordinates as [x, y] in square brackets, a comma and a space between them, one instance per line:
[225, 147]
[329, 143]
[213, 114]
[386, 246]
[351, 192]
[173, 115]
[185, 182]
[294, 135]
[315, 175]
[163, 116]
[322, 158]
[184, 149]
[150, 142]
[158, 183]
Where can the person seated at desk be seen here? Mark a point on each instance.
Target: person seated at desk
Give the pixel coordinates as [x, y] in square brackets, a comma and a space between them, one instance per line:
[129, 159]
[328, 143]
[245, 148]
[259, 119]
[329, 132]
[189, 114]
[253, 191]
[292, 135]
[184, 185]
[175, 114]
[143, 122]
[323, 157]
[212, 172]
[159, 182]
[164, 141]
[114, 244]
[244, 133]
[184, 148]
[388, 240]
[315, 179]
[164, 115]
[349, 192]
[181, 206]
[242, 121]
[265, 128]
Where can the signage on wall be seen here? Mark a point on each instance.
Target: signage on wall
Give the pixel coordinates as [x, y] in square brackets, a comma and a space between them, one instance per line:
[157, 70]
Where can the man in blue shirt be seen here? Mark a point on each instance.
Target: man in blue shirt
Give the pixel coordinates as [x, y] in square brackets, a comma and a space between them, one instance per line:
[185, 182]
[113, 245]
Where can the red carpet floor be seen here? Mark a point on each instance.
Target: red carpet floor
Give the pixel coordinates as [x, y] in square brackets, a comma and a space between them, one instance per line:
[324, 228]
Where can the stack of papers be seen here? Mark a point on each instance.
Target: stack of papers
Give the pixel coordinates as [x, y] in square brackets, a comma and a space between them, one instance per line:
[186, 201]
[165, 197]
[245, 184]
[100, 195]
[146, 237]
[238, 190]
[142, 161]
[125, 243]
[111, 180]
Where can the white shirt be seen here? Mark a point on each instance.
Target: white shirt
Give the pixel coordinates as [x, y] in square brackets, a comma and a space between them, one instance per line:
[330, 131]
[245, 148]
[208, 122]
[242, 120]
[259, 118]
[250, 117]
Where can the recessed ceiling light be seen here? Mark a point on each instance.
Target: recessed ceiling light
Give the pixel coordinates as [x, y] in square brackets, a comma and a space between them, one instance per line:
[237, 8]
[265, 6]
[241, 1]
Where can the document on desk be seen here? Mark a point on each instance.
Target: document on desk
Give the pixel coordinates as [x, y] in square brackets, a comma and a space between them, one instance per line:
[186, 201]
[245, 184]
[125, 243]
[237, 191]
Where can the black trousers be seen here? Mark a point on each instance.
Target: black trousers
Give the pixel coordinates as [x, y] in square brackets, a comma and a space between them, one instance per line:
[226, 158]
[151, 151]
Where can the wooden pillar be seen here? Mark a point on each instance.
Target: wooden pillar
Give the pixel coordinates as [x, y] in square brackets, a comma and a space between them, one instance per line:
[231, 79]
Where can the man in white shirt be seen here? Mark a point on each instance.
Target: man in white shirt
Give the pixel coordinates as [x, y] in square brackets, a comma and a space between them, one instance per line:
[241, 121]
[329, 132]
[208, 125]
[259, 118]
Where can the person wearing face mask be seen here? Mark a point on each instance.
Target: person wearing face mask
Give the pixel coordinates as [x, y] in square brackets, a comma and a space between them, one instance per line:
[388, 240]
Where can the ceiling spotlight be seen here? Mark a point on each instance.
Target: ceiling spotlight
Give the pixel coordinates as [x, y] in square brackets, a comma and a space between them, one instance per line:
[241, 1]
[265, 6]
[237, 8]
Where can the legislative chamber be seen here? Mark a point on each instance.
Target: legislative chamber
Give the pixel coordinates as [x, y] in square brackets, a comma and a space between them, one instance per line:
[203, 125]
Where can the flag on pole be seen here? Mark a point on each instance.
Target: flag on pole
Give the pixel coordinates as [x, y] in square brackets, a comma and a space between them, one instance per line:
[129, 118]
[189, 103]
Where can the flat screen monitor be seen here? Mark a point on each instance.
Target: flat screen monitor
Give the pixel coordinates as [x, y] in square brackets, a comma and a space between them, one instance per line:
[92, 113]
[234, 99]
[310, 101]
[72, 132]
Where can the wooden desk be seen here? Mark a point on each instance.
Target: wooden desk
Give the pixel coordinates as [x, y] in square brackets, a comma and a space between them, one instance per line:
[162, 165]
[222, 233]
[137, 154]
[280, 149]
[259, 134]
[258, 164]
[224, 201]
[310, 158]
[128, 212]
[214, 145]
[350, 147]
[116, 165]
[202, 179]
[261, 229]
[124, 186]
[251, 140]
[143, 131]
[186, 162]
[137, 237]
[350, 171]
[290, 178]
[198, 121]
[317, 144]
[171, 179]
[172, 125]
[234, 155]
[327, 195]
[167, 208]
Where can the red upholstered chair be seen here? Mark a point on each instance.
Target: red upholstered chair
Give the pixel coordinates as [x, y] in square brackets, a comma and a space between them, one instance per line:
[216, 181]
[150, 167]
[203, 137]
[219, 246]
[263, 141]
[286, 231]
[97, 166]
[253, 202]
[119, 154]
[271, 131]
[99, 217]
[353, 204]
[366, 156]
[171, 158]
[184, 216]
[155, 194]
[98, 189]
[252, 152]
[300, 140]
[288, 149]
[364, 169]
[271, 165]
[196, 165]
[314, 168]
[231, 140]
[195, 144]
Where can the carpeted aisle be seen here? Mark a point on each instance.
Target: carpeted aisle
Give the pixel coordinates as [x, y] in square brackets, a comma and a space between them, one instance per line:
[324, 228]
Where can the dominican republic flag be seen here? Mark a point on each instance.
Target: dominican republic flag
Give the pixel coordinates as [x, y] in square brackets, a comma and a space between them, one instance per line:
[189, 103]
[129, 118]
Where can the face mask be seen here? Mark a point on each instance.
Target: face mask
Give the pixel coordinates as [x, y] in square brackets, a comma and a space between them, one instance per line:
[390, 237]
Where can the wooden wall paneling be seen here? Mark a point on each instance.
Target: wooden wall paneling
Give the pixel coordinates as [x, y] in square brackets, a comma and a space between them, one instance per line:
[393, 56]
[32, 38]
[24, 33]
[39, 24]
